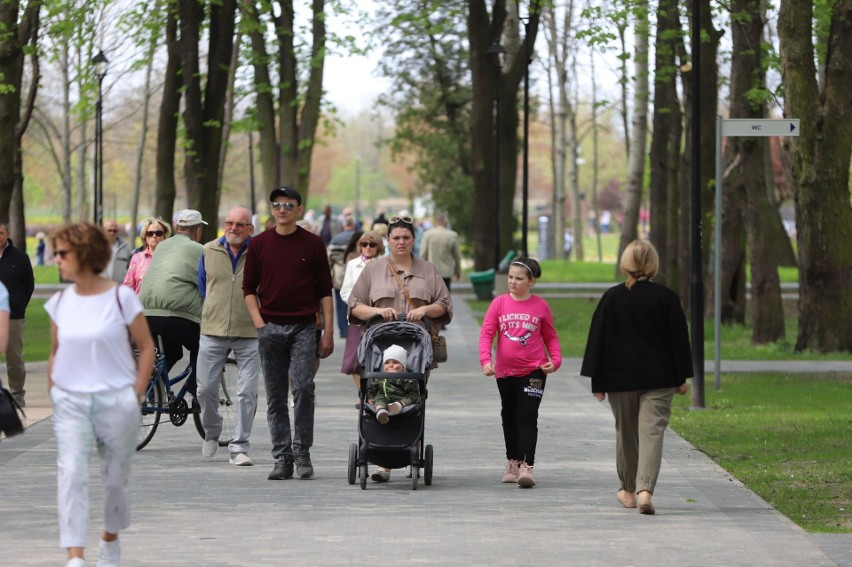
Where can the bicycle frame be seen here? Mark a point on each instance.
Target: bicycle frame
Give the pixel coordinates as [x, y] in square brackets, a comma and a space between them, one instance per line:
[161, 375]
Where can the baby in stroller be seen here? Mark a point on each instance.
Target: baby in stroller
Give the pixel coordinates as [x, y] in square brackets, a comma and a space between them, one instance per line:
[390, 396]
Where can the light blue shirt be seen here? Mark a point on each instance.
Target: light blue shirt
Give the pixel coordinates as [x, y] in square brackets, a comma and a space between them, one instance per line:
[4, 298]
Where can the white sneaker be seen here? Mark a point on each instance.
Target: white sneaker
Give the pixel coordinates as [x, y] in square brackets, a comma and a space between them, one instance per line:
[241, 460]
[109, 553]
[76, 562]
[210, 447]
[394, 408]
[382, 416]
[380, 475]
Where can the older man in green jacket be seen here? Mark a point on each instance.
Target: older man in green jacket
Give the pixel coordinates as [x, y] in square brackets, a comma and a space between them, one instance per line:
[170, 292]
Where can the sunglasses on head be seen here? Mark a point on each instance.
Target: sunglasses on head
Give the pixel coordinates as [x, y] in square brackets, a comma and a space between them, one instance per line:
[403, 220]
[286, 206]
[155, 233]
[368, 244]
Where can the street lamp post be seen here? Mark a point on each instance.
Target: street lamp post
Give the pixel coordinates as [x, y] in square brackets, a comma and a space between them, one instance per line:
[525, 219]
[100, 63]
[498, 53]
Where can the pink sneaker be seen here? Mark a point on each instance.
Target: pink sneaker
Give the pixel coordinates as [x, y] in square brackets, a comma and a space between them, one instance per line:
[510, 473]
[525, 476]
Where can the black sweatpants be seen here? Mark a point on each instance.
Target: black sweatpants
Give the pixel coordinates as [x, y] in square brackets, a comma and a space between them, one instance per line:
[521, 396]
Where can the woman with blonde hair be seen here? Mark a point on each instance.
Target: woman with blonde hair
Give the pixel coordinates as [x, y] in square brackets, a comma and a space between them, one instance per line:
[154, 231]
[638, 353]
[370, 246]
[95, 384]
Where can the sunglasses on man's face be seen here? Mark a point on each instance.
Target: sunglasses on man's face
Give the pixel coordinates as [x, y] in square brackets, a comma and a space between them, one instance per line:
[159, 233]
[61, 253]
[112, 230]
[368, 245]
[286, 206]
[233, 224]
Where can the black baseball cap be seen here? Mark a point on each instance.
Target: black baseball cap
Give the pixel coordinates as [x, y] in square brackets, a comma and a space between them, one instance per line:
[288, 192]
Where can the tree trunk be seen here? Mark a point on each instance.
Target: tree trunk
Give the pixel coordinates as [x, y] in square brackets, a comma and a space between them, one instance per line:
[140, 151]
[264, 103]
[639, 136]
[167, 124]
[665, 101]
[747, 180]
[13, 119]
[820, 164]
[483, 29]
[286, 154]
[204, 114]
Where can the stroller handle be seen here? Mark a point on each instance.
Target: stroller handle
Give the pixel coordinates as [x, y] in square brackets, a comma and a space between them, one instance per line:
[399, 317]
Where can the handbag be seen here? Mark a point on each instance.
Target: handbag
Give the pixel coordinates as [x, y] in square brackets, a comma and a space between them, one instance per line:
[439, 343]
[10, 423]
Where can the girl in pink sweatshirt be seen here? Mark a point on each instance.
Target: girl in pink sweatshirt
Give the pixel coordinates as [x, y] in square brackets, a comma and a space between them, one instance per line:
[527, 351]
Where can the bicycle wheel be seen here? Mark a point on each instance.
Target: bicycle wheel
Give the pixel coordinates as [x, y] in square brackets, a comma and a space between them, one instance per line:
[228, 401]
[227, 404]
[154, 399]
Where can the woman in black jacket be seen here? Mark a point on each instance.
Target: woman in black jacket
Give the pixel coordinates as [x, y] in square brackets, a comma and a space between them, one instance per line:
[638, 353]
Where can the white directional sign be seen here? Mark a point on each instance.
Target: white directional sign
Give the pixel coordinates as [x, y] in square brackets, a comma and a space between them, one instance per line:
[759, 128]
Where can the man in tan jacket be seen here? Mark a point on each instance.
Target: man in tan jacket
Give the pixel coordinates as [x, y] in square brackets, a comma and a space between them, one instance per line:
[440, 246]
[227, 326]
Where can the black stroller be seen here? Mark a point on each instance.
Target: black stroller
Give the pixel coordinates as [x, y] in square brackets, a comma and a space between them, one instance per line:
[399, 443]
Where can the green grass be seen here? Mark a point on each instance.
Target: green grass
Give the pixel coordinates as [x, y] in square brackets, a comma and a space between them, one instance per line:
[786, 437]
[572, 318]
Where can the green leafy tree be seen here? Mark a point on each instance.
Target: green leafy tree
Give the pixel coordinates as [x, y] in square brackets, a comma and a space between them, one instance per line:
[426, 59]
[19, 26]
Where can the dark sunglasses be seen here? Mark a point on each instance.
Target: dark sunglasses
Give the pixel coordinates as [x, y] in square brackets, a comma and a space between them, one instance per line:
[61, 253]
[230, 224]
[403, 220]
[287, 206]
[112, 230]
[155, 233]
[368, 244]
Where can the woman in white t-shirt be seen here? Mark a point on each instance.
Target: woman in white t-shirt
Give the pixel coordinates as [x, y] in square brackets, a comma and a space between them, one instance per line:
[95, 385]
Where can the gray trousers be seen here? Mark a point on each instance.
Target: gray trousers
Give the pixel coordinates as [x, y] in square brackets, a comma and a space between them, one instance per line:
[287, 353]
[641, 419]
[212, 354]
[15, 357]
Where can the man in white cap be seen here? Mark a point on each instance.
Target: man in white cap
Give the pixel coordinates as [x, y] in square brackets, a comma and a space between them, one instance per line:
[170, 292]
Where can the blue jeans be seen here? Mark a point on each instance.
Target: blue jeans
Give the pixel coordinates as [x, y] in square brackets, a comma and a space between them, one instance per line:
[340, 311]
[212, 354]
[287, 354]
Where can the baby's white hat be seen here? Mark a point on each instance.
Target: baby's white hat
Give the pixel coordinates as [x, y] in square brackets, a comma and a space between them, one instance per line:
[395, 352]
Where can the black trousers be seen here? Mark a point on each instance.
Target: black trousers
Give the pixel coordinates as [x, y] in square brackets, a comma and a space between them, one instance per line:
[521, 397]
[175, 334]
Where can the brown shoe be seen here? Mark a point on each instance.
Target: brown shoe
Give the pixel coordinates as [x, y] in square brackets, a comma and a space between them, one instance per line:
[627, 499]
[645, 505]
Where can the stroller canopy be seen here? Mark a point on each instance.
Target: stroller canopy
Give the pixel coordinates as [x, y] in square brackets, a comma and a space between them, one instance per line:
[414, 338]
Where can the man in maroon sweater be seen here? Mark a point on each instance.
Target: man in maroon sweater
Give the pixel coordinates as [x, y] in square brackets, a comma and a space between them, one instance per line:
[286, 282]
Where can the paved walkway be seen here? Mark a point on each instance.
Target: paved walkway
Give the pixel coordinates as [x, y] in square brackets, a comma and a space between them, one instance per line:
[193, 511]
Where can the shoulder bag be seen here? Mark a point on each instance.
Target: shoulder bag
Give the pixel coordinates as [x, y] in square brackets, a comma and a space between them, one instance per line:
[10, 423]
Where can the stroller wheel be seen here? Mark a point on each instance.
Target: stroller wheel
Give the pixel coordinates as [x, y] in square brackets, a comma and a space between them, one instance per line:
[415, 473]
[364, 477]
[427, 466]
[353, 462]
